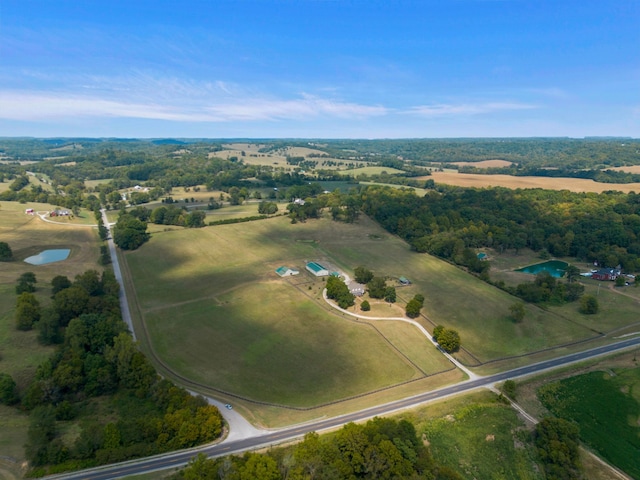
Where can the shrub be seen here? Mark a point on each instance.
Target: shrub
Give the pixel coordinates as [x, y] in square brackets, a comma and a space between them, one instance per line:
[589, 305]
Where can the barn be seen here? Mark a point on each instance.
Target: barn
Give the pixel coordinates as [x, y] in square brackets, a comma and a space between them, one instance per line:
[286, 271]
[317, 269]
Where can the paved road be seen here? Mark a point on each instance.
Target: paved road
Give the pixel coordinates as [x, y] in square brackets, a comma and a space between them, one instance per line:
[230, 446]
[124, 305]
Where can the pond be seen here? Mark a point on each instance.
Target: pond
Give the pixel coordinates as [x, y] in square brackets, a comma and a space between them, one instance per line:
[49, 256]
[556, 268]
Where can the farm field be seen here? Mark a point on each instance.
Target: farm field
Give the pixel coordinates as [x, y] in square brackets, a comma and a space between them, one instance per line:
[278, 158]
[225, 291]
[483, 164]
[628, 168]
[587, 399]
[373, 170]
[217, 313]
[584, 393]
[508, 181]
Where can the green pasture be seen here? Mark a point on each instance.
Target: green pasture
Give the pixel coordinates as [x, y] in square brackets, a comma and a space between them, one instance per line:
[94, 183]
[412, 343]
[606, 407]
[34, 181]
[373, 170]
[13, 435]
[266, 341]
[419, 191]
[477, 436]
[28, 235]
[201, 268]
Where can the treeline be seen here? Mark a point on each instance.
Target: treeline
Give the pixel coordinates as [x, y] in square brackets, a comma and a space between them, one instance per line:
[541, 152]
[98, 383]
[451, 222]
[382, 448]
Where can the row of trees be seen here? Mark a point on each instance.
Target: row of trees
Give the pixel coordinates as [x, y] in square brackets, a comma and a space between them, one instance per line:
[382, 448]
[96, 357]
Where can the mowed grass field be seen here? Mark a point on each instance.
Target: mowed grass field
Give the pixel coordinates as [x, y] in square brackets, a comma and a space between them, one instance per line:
[217, 313]
[20, 352]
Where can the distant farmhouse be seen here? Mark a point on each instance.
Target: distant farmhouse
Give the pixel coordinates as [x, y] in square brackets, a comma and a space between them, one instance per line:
[606, 274]
[317, 269]
[286, 271]
[59, 213]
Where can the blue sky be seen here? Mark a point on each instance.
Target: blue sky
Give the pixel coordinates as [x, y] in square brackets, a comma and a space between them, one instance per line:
[319, 68]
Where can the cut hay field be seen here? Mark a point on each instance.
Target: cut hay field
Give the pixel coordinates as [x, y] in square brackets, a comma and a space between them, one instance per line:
[629, 169]
[508, 181]
[484, 164]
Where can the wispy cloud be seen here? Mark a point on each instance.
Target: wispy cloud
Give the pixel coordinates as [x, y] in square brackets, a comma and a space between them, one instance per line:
[448, 109]
[35, 106]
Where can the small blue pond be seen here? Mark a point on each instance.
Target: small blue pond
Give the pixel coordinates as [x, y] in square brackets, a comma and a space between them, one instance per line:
[556, 268]
[49, 256]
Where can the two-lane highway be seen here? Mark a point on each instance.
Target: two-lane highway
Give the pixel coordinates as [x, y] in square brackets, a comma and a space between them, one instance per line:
[177, 459]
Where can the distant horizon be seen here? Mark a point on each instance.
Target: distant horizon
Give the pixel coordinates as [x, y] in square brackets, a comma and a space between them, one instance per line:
[359, 69]
[295, 139]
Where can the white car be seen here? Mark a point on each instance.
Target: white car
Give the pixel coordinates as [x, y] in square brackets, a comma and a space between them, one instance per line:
[228, 406]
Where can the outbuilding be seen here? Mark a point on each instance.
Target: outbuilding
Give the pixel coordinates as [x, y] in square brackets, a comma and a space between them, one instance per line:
[286, 271]
[317, 269]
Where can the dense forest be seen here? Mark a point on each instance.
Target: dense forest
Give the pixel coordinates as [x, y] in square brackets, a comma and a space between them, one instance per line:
[600, 228]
